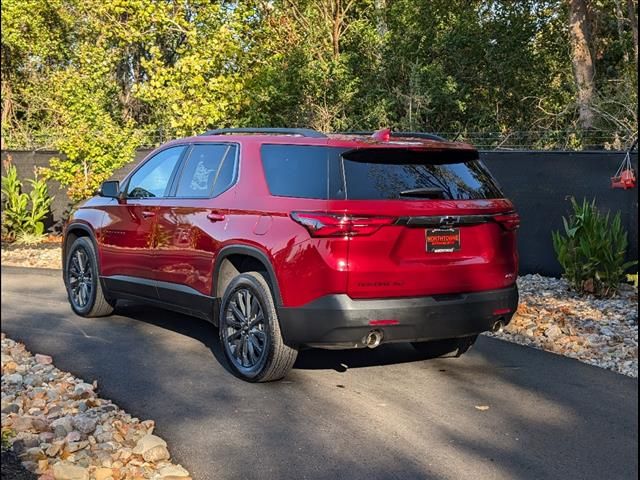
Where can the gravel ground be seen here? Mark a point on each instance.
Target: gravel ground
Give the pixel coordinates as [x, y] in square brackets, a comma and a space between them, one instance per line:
[62, 430]
[42, 255]
[601, 332]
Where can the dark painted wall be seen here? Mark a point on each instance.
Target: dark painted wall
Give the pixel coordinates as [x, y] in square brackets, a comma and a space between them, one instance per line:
[539, 183]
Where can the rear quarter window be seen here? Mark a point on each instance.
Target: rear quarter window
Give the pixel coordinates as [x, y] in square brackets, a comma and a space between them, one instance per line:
[302, 171]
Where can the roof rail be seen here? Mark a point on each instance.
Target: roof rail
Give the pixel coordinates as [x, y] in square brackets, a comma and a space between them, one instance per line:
[426, 136]
[301, 132]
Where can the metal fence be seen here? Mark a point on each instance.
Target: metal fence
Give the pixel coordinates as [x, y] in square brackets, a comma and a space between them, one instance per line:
[566, 140]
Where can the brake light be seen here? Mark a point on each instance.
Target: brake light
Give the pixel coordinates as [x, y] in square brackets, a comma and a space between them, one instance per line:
[382, 135]
[321, 224]
[509, 221]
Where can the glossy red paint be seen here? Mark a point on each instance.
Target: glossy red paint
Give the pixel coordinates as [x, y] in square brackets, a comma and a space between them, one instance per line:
[177, 240]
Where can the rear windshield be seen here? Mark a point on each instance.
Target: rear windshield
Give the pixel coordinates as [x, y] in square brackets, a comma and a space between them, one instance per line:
[335, 173]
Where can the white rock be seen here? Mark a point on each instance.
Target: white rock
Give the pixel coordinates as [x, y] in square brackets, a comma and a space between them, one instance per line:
[14, 379]
[68, 471]
[148, 442]
[173, 471]
[553, 332]
[43, 359]
[156, 454]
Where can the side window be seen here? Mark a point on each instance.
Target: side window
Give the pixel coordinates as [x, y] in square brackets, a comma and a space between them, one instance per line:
[152, 179]
[208, 171]
[301, 171]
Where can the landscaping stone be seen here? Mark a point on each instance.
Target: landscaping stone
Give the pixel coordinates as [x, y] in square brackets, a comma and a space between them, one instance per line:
[62, 430]
[601, 332]
[69, 471]
[147, 443]
[84, 423]
[173, 471]
[156, 454]
[43, 359]
[44, 255]
[14, 378]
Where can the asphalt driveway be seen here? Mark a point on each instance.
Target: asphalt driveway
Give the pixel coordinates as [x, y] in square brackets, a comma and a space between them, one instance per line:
[387, 413]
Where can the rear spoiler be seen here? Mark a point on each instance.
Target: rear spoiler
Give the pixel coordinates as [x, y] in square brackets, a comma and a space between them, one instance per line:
[412, 155]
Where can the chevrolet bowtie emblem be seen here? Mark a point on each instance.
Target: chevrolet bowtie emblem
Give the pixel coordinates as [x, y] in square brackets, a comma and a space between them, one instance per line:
[449, 220]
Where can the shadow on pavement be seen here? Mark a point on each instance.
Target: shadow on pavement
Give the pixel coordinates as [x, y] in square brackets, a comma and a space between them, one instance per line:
[406, 416]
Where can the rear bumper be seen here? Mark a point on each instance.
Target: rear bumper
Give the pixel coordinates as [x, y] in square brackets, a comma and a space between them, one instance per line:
[338, 321]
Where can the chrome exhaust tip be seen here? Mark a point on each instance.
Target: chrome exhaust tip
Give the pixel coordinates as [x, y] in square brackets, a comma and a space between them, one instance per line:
[373, 338]
[498, 326]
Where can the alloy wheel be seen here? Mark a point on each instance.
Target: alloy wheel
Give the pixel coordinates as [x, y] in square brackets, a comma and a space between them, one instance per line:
[245, 334]
[80, 278]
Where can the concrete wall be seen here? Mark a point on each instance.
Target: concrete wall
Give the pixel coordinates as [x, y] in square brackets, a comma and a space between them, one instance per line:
[539, 183]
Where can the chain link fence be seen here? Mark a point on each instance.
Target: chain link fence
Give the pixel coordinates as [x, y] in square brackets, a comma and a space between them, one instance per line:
[568, 140]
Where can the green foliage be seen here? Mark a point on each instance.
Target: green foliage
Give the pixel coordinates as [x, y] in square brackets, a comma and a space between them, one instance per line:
[7, 435]
[592, 250]
[96, 78]
[22, 213]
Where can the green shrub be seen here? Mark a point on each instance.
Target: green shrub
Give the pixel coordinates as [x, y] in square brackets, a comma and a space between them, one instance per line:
[7, 434]
[22, 213]
[591, 250]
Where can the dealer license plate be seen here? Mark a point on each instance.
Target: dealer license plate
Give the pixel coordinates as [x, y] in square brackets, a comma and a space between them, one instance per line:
[442, 240]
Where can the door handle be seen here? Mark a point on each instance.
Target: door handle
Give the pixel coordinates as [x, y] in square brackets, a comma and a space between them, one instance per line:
[215, 217]
[148, 214]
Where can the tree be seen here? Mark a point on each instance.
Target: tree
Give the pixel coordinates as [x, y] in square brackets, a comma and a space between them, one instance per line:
[95, 78]
[582, 60]
[633, 20]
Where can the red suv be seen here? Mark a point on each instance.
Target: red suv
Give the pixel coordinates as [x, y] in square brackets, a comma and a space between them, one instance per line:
[290, 238]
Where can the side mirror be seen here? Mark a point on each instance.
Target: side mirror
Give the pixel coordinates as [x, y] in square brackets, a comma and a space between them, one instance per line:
[110, 189]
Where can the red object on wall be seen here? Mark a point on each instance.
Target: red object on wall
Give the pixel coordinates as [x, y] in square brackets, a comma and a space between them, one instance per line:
[625, 177]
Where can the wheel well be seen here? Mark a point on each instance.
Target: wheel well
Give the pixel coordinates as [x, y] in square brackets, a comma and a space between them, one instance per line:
[235, 264]
[71, 236]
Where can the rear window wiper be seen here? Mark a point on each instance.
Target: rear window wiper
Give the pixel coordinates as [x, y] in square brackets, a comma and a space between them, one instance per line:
[423, 192]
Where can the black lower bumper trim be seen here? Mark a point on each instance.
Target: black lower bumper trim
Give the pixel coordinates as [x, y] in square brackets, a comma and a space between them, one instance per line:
[338, 321]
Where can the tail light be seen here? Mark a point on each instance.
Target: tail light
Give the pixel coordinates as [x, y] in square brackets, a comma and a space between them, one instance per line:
[321, 224]
[509, 221]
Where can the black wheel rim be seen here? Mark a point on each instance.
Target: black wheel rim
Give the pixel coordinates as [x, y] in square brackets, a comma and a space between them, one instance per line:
[244, 331]
[80, 275]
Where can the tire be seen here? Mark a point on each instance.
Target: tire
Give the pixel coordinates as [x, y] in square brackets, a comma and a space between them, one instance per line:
[250, 331]
[87, 299]
[442, 347]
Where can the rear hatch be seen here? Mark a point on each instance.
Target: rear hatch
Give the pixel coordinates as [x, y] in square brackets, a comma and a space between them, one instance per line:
[420, 221]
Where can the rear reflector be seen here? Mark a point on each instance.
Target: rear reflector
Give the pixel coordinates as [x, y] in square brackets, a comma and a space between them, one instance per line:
[382, 323]
[327, 224]
[508, 221]
[501, 311]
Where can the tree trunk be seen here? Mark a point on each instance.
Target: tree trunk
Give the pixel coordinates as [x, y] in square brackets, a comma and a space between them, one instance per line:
[7, 109]
[582, 60]
[634, 28]
[381, 6]
[335, 35]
